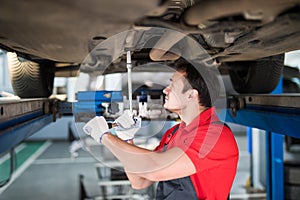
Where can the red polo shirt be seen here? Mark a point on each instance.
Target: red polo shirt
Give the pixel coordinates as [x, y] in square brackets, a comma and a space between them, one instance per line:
[212, 148]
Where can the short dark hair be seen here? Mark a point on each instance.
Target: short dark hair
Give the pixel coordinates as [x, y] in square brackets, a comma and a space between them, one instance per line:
[208, 88]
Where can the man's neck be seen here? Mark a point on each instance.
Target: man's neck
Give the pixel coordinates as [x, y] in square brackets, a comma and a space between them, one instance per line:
[190, 113]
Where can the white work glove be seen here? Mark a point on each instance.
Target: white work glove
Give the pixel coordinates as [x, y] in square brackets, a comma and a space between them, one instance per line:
[96, 127]
[127, 126]
[125, 129]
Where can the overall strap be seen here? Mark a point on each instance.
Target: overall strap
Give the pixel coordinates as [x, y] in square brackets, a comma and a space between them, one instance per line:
[169, 137]
[220, 122]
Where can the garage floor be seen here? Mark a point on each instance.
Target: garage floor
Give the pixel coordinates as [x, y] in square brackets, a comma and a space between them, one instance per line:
[51, 173]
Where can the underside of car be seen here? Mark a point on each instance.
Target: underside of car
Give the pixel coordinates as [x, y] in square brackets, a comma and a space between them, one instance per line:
[246, 39]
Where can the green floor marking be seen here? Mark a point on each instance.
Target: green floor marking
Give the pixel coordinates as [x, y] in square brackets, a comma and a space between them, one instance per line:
[20, 157]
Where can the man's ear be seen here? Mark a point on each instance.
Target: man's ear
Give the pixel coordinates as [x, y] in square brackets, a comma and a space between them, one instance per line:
[193, 94]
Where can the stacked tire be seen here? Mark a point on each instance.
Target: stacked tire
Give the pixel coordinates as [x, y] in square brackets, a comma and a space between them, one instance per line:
[292, 180]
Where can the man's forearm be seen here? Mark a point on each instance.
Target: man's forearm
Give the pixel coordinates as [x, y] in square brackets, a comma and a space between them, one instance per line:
[138, 182]
[134, 159]
[147, 164]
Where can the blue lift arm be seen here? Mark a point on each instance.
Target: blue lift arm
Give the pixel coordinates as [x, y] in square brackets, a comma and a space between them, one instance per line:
[273, 113]
[21, 118]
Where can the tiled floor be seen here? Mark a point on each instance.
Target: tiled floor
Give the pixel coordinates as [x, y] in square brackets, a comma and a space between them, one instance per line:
[53, 174]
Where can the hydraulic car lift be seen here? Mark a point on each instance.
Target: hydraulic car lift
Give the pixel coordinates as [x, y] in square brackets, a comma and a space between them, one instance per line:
[279, 115]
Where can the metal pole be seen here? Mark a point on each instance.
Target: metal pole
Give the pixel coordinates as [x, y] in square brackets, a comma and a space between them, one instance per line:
[129, 67]
[275, 164]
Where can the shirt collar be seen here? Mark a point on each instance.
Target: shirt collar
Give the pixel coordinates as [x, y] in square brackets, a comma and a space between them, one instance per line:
[204, 118]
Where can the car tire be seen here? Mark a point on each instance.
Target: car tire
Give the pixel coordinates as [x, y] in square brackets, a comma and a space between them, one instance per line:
[30, 79]
[259, 76]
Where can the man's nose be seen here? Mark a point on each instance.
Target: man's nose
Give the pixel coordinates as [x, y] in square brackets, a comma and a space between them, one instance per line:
[166, 90]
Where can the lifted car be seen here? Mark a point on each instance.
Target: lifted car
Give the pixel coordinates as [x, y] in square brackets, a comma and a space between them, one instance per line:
[247, 39]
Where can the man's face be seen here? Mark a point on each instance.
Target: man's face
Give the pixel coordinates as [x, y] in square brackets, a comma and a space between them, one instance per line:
[175, 99]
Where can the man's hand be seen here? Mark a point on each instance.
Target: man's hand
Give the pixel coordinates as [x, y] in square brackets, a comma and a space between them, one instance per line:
[127, 126]
[96, 127]
[125, 120]
[125, 129]
[127, 133]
